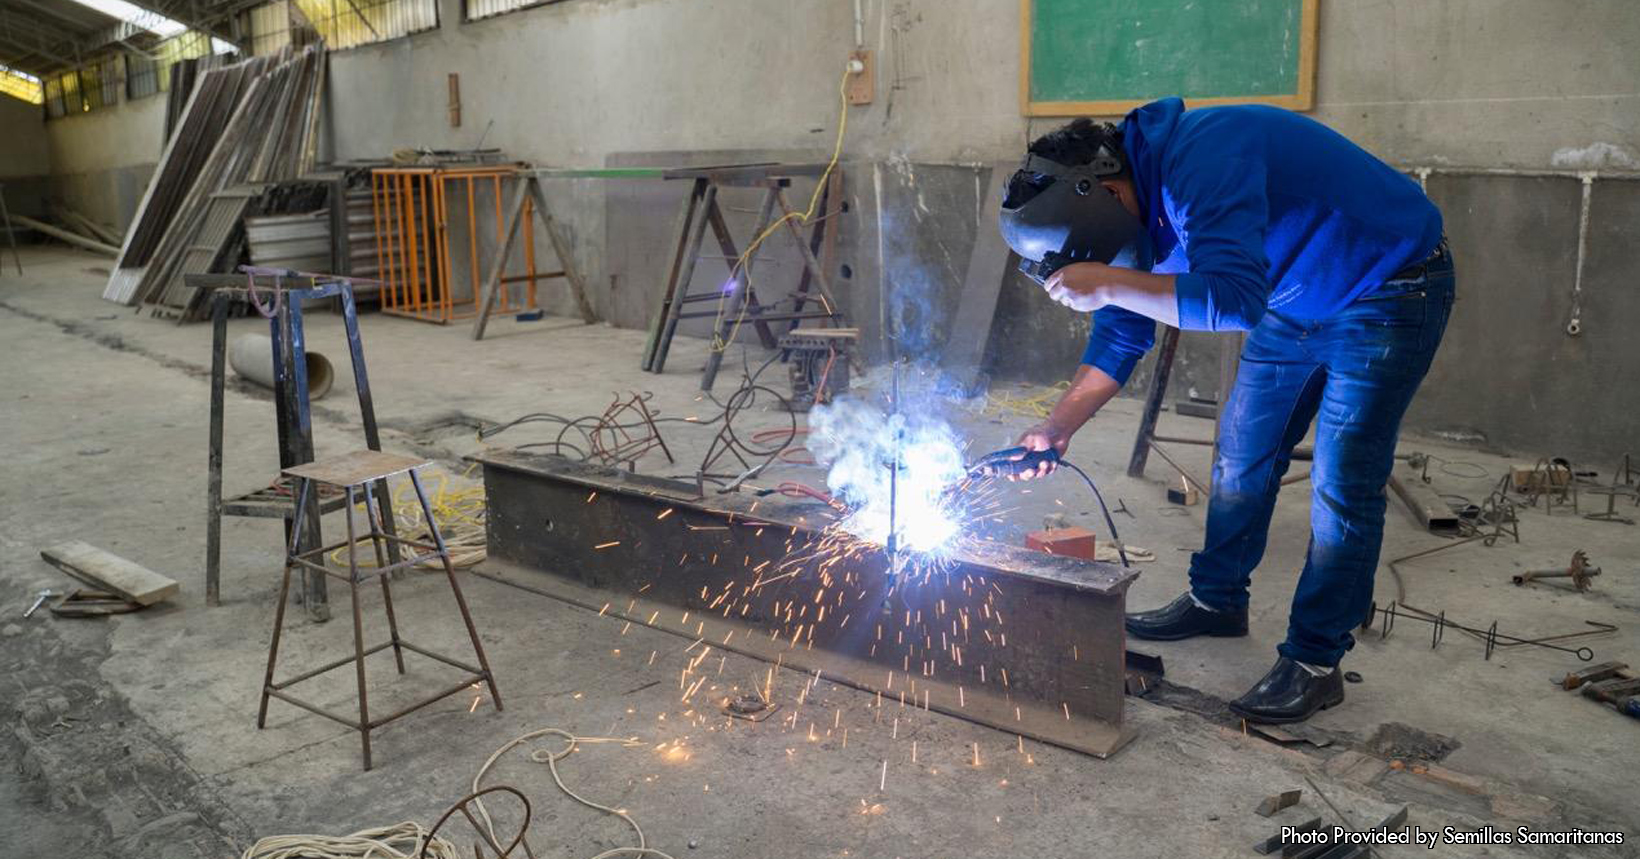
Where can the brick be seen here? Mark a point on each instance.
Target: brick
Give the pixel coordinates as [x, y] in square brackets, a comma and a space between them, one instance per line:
[1454, 779]
[1068, 542]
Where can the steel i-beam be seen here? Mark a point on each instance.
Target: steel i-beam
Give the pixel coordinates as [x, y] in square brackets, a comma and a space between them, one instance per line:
[1025, 642]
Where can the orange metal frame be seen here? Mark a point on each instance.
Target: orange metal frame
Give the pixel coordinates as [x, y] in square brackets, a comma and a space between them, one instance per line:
[411, 207]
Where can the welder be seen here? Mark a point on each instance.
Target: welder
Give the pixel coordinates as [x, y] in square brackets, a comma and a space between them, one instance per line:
[1256, 219]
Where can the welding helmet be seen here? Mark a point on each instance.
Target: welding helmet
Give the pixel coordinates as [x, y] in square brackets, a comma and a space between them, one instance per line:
[1070, 218]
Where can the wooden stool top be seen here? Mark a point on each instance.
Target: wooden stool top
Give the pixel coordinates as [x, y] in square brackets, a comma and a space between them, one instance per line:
[358, 467]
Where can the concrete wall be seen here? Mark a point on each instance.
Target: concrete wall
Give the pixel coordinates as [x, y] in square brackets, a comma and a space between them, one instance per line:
[101, 161]
[25, 160]
[1484, 83]
[1487, 83]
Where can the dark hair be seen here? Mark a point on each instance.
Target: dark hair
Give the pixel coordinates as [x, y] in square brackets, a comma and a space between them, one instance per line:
[1073, 144]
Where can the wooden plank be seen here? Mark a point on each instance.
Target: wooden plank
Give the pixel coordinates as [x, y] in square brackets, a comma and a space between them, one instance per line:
[110, 572]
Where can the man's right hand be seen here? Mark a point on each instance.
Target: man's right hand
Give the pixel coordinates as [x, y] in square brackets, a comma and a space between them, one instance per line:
[1042, 437]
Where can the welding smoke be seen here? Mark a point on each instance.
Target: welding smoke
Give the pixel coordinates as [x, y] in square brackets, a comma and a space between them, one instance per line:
[859, 444]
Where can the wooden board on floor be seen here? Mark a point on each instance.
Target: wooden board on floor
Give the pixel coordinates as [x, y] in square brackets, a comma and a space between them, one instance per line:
[110, 572]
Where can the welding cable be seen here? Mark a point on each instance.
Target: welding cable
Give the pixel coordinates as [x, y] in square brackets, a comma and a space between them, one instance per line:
[399, 841]
[572, 744]
[720, 344]
[769, 435]
[1110, 521]
[793, 489]
[250, 296]
[404, 840]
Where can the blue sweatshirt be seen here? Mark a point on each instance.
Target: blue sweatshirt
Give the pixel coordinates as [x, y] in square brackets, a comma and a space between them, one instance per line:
[1257, 208]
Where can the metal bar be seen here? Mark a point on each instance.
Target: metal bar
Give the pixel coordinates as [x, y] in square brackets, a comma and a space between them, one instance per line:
[213, 464]
[691, 255]
[358, 627]
[441, 240]
[439, 657]
[472, 237]
[376, 543]
[411, 708]
[65, 235]
[320, 567]
[1423, 502]
[1025, 642]
[367, 409]
[315, 593]
[11, 235]
[328, 666]
[313, 708]
[455, 587]
[767, 317]
[1153, 402]
[726, 243]
[529, 248]
[669, 290]
[492, 282]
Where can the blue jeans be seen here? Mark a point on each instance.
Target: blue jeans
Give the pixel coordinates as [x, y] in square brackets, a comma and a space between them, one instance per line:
[1355, 373]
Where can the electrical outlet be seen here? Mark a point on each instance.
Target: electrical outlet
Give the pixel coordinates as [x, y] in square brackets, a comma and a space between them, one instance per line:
[862, 78]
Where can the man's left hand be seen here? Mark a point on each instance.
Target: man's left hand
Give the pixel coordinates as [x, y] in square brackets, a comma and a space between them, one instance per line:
[1080, 286]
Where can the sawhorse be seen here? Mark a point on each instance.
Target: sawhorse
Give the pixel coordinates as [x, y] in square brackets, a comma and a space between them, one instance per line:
[527, 198]
[292, 413]
[1146, 440]
[738, 302]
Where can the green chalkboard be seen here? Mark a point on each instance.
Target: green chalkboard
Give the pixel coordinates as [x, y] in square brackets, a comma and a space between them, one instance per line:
[1105, 57]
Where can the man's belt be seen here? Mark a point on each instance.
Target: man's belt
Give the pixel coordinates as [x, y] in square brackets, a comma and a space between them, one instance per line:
[1417, 269]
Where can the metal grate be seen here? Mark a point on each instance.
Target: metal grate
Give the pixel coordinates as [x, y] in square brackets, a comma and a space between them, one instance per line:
[350, 23]
[141, 77]
[185, 46]
[476, 9]
[21, 85]
[269, 26]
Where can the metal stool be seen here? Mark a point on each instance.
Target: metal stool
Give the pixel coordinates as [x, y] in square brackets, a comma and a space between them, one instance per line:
[352, 473]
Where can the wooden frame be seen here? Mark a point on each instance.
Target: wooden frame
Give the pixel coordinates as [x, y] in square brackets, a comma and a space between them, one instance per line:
[1304, 99]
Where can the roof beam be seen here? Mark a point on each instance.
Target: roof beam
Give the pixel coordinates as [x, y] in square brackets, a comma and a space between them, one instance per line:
[56, 11]
[191, 18]
[54, 59]
[24, 33]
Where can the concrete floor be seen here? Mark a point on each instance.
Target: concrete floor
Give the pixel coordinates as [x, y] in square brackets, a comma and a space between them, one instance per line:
[136, 735]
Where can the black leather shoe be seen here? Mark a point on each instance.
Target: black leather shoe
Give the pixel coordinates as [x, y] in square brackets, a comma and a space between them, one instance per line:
[1182, 618]
[1289, 693]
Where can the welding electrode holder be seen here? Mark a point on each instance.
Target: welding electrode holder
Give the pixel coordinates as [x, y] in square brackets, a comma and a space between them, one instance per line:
[1009, 462]
[1041, 271]
[1004, 463]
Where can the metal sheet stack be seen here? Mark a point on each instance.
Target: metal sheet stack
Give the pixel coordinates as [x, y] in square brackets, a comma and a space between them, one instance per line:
[245, 125]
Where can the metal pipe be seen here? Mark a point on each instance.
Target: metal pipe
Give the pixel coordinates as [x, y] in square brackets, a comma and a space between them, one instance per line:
[65, 235]
[251, 356]
[1535, 172]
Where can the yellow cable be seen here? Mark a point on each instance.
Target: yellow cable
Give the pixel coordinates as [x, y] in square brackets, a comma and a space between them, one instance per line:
[1035, 405]
[459, 514]
[719, 344]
